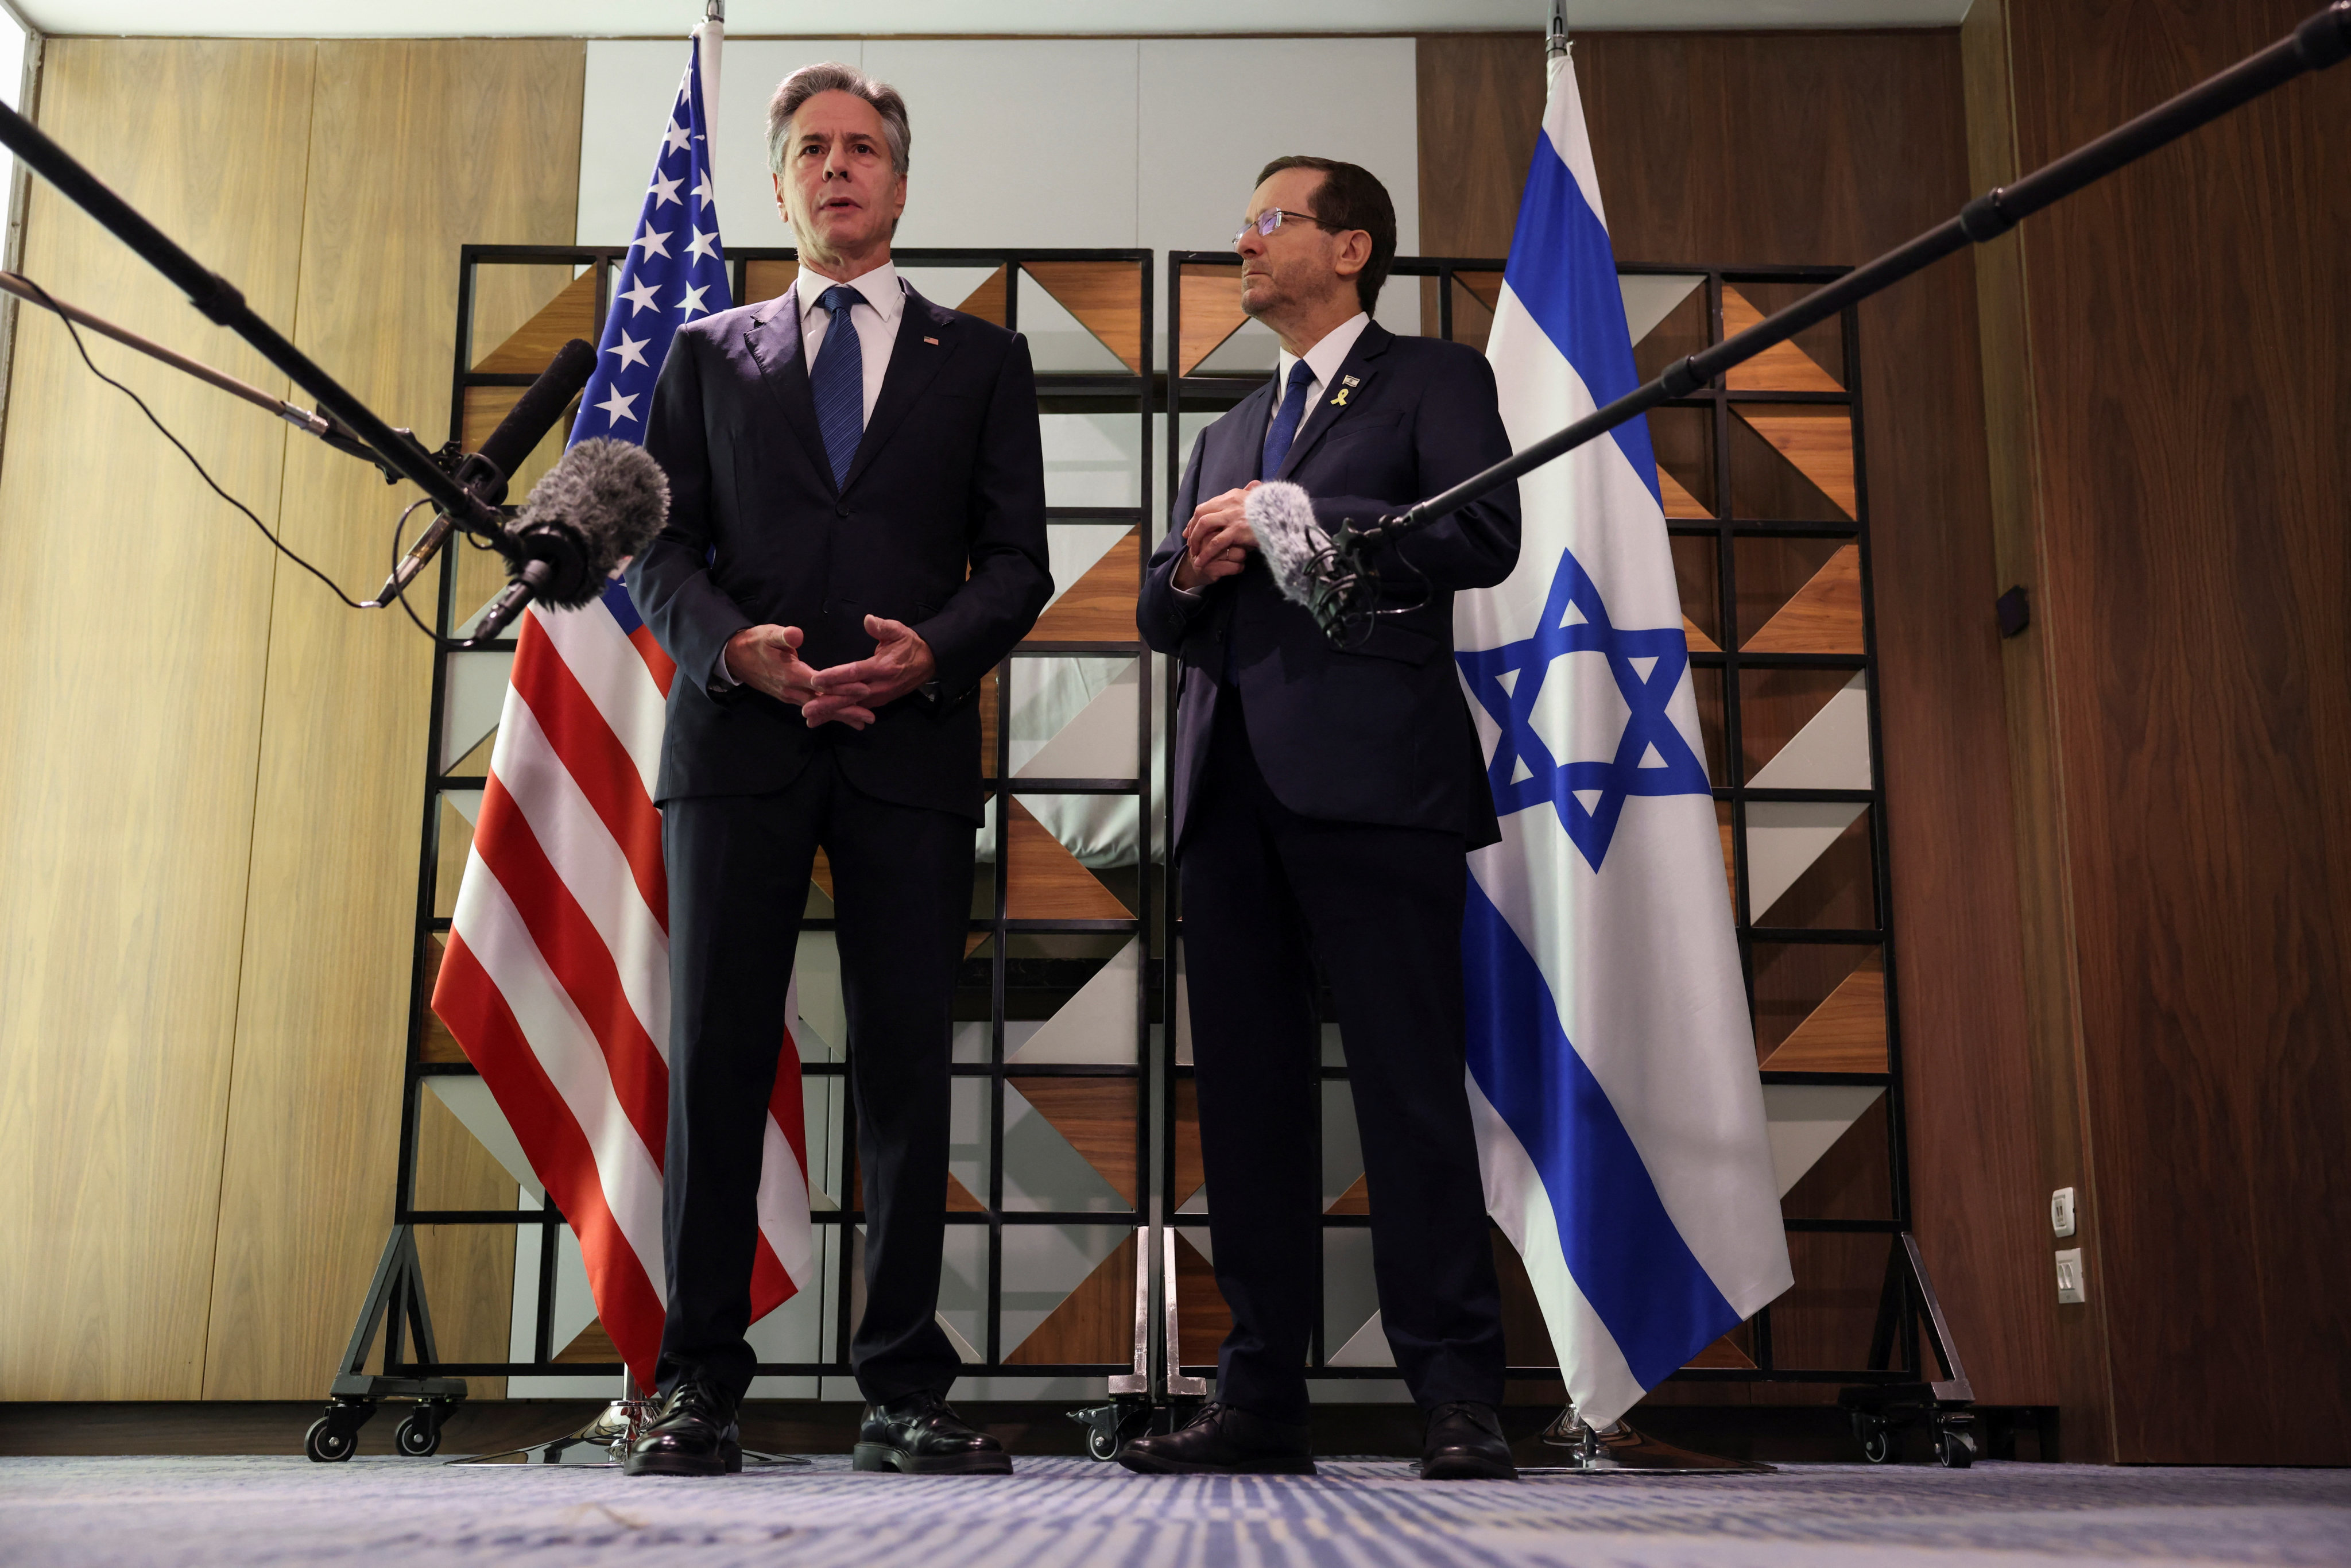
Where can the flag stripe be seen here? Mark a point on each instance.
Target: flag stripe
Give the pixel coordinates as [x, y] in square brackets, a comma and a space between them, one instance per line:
[582, 965]
[1631, 1263]
[612, 671]
[598, 765]
[1563, 271]
[549, 799]
[628, 1299]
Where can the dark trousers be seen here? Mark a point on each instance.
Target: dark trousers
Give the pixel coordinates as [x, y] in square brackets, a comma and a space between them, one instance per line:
[738, 879]
[1381, 908]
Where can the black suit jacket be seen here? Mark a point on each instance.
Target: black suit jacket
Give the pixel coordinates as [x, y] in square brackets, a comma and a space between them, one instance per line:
[941, 524]
[1380, 734]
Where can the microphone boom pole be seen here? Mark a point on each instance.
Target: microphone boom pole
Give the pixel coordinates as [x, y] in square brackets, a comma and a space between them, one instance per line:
[220, 303]
[2322, 40]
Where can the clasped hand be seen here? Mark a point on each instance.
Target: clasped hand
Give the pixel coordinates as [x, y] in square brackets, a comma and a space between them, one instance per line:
[1217, 539]
[767, 659]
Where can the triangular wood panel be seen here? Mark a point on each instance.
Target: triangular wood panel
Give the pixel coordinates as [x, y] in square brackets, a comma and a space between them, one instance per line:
[1783, 367]
[486, 406]
[1846, 1033]
[438, 1044]
[590, 1345]
[1212, 313]
[1356, 1200]
[767, 279]
[1699, 643]
[1095, 1323]
[1486, 286]
[1775, 705]
[1721, 1353]
[1096, 1115]
[1202, 1319]
[1821, 617]
[570, 314]
[1100, 606]
[1106, 296]
[1818, 442]
[986, 302]
[1183, 1154]
[1679, 503]
[1046, 882]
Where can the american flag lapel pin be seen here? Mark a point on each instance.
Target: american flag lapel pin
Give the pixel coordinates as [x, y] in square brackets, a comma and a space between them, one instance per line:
[934, 342]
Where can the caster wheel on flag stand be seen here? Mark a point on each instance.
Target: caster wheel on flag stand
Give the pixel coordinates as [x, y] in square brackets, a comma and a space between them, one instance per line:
[1880, 1442]
[1955, 1448]
[419, 1433]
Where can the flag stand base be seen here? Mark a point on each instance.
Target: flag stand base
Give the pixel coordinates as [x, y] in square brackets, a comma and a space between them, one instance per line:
[603, 1443]
[1881, 1413]
[395, 1302]
[1624, 1450]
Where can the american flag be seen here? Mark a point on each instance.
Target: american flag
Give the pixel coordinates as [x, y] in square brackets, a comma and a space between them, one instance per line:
[555, 980]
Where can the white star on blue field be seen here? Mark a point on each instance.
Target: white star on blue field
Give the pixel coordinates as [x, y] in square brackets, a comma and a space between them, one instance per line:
[1651, 758]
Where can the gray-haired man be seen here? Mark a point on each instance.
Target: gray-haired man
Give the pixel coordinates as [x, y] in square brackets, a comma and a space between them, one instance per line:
[856, 537]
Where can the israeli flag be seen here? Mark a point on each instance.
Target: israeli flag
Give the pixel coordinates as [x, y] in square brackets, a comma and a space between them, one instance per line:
[1611, 1060]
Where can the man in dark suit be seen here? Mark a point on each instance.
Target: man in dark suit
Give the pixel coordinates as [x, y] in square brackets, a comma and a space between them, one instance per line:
[1325, 799]
[856, 537]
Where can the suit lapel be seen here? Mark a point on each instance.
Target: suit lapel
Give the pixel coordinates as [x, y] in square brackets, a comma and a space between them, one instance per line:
[1352, 382]
[774, 340]
[925, 338]
[1236, 444]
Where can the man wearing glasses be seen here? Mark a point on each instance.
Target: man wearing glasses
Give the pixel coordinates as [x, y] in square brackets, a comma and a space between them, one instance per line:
[1325, 799]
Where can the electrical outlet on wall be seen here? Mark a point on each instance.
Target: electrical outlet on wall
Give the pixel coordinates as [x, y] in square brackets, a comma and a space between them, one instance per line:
[2069, 1276]
[2061, 1211]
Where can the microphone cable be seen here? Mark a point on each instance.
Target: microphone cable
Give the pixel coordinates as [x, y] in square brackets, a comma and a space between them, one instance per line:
[280, 546]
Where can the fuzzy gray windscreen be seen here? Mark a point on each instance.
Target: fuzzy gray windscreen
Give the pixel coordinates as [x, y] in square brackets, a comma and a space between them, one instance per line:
[612, 496]
[1281, 514]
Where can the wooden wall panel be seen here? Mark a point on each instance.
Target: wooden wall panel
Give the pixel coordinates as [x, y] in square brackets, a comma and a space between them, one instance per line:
[415, 148]
[2185, 326]
[135, 613]
[1830, 147]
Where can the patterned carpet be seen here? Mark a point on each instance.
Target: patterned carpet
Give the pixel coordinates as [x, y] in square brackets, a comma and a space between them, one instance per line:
[255, 1512]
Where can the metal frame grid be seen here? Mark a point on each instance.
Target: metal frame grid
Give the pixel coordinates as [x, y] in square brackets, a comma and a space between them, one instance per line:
[988, 972]
[1195, 393]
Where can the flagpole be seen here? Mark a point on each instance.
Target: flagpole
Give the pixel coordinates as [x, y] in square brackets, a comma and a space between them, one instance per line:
[2322, 40]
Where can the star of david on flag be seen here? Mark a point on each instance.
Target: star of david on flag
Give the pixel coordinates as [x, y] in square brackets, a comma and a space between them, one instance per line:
[1611, 1057]
[556, 977]
[1652, 758]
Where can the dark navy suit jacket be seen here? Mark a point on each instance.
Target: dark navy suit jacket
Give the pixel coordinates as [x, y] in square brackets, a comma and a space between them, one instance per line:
[1379, 734]
[940, 524]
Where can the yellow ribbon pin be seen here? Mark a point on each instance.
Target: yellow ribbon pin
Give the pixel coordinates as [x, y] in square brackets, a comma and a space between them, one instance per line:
[1341, 400]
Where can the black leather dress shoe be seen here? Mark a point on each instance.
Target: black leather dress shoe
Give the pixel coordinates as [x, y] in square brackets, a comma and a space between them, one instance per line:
[693, 1434]
[1224, 1441]
[920, 1435]
[1466, 1444]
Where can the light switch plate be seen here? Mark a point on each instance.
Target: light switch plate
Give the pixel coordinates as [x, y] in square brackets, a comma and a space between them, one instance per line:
[2069, 1276]
[2061, 1211]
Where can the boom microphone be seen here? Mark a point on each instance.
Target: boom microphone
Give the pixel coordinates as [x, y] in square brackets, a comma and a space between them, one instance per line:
[486, 473]
[599, 506]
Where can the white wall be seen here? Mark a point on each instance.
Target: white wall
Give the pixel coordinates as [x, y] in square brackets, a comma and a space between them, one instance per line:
[1115, 142]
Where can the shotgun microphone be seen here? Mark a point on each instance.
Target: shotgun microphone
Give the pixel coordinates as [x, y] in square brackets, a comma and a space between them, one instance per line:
[486, 474]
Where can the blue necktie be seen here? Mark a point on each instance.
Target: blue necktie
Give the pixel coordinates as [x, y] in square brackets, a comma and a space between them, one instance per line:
[1284, 428]
[838, 382]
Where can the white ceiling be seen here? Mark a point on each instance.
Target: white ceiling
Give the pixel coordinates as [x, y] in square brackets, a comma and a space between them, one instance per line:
[837, 18]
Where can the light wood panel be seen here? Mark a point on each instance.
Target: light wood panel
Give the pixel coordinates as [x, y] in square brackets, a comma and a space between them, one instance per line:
[1356, 1200]
[1819, 444]
[986, 302]
[766, 279]
[1106, 296]
[528, 348]
[1100, 606]
[1782, 367]
[1046, 882]
[1095, 1323]
[486, 135]
[135, 615]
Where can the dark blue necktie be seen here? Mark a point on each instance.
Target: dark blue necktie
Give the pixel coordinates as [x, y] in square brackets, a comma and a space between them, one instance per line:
[838, 382]
[1284, 428]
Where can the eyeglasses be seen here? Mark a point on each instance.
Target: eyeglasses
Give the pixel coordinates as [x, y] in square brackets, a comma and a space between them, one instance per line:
[1266, 221]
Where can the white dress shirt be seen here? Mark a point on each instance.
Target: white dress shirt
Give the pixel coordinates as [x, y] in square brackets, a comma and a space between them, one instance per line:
[876, 321]
[1322, 361]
